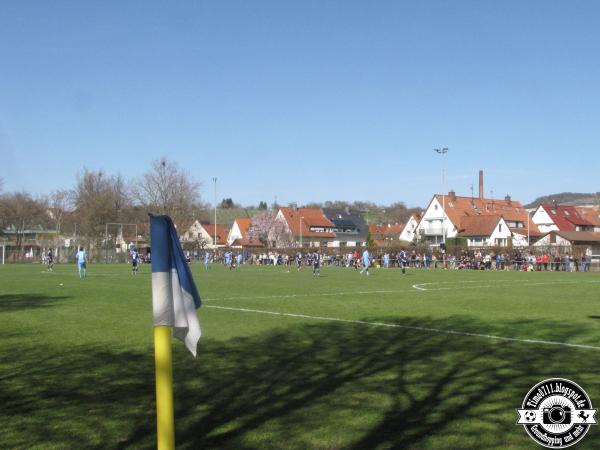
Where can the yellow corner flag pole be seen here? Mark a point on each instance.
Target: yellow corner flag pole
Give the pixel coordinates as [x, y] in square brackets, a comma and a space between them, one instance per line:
[165, 421]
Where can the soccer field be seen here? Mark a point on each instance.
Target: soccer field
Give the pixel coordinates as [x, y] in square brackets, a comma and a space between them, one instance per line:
[430, 360]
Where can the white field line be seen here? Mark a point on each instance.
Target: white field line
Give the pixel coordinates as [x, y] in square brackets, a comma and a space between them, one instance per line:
[421, 286]
[407, 327]
[326, 294]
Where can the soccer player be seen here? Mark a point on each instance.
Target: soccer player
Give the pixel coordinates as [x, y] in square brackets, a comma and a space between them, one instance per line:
[50, 261]
[366, 262]
[299, 261]
[135, 262]
[81, 258]
[239, 259]
[206, 259]
[403, 260]
[316, 264]
[386, 261]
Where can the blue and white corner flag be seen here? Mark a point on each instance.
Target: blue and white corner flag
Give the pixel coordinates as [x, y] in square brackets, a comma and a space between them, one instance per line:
[174, 294]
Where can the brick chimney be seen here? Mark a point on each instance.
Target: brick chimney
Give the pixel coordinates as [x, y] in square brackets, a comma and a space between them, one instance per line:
[508, 200]
[452, 196]
[481, 185]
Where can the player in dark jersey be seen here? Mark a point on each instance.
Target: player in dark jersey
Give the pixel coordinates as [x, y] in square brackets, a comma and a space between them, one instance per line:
[316, 260]
[403, 260]
[299, 261]
[135, 262]
[50, 261]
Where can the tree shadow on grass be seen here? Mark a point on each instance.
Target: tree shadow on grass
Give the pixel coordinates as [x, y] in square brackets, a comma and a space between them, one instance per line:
[321, 385]
[16, 302]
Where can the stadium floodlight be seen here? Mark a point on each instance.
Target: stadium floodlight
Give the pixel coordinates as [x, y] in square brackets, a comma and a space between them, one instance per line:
[442, 151]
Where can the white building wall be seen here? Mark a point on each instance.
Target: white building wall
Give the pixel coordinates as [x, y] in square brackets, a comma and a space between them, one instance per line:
[193, 232]
[431, 223]
[543, 220]
[500, 234]
[234, 233]
[545, 241]
[410, 230]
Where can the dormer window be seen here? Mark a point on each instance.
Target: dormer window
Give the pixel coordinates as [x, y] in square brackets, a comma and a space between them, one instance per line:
[566, 213]
[553, 212]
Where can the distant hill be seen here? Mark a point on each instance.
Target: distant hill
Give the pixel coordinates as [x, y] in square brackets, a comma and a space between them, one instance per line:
[226, 216]
[567, 198]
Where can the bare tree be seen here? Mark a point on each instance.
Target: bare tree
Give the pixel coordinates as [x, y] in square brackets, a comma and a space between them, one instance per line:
[98, 198]
[167, 189]
[20, 211]
[58, 204]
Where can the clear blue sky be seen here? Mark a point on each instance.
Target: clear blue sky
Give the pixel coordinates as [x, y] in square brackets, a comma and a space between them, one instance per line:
[305, 100]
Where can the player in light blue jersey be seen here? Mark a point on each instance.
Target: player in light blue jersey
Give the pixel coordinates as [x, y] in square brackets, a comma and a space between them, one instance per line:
[206, 260]
[366, 262]
[81, 258]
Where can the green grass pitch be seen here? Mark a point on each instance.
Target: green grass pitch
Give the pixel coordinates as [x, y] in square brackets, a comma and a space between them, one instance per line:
[287, 360]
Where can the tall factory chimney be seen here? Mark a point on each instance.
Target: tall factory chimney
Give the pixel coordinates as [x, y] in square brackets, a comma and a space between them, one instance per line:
[481, 185]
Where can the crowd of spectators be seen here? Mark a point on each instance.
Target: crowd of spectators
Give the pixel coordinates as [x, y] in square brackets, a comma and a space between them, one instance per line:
[477, 260]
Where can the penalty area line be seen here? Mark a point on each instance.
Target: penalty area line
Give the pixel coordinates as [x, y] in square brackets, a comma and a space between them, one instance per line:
[407, 327]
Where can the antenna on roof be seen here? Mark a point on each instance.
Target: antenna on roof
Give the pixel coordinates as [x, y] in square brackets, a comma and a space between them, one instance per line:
[492, 194]
[472, 202]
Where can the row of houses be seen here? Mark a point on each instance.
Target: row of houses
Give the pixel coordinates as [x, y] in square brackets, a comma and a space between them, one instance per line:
[481, 221]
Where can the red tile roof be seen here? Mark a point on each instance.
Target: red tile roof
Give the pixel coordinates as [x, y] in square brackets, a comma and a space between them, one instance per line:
[533, 232]
[478, 225]
[565, 217]
[222, 232]
[458, 207]
[578, 236]
[591, 214]
[311, 217]
[386, 231]
[244, 224]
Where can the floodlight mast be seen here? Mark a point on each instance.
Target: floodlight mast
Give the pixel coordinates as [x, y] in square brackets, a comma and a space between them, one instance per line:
[442, 151]
[215, 237]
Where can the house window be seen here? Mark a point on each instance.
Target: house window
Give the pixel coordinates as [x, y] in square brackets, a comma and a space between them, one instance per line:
[566, 213]
[435, 207]
[500, 228]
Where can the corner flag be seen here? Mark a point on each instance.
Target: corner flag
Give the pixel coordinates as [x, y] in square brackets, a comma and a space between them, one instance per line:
[174, 294]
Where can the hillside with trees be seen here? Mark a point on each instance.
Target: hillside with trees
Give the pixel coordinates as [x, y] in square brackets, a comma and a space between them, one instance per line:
[567, 198]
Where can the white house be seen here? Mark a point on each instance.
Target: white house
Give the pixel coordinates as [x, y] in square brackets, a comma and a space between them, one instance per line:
[239, 230]
[591, 214]
[560, 217]
[309, 227]
[485, 231]
[445, 213]
[203, 234]
[410, 229]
